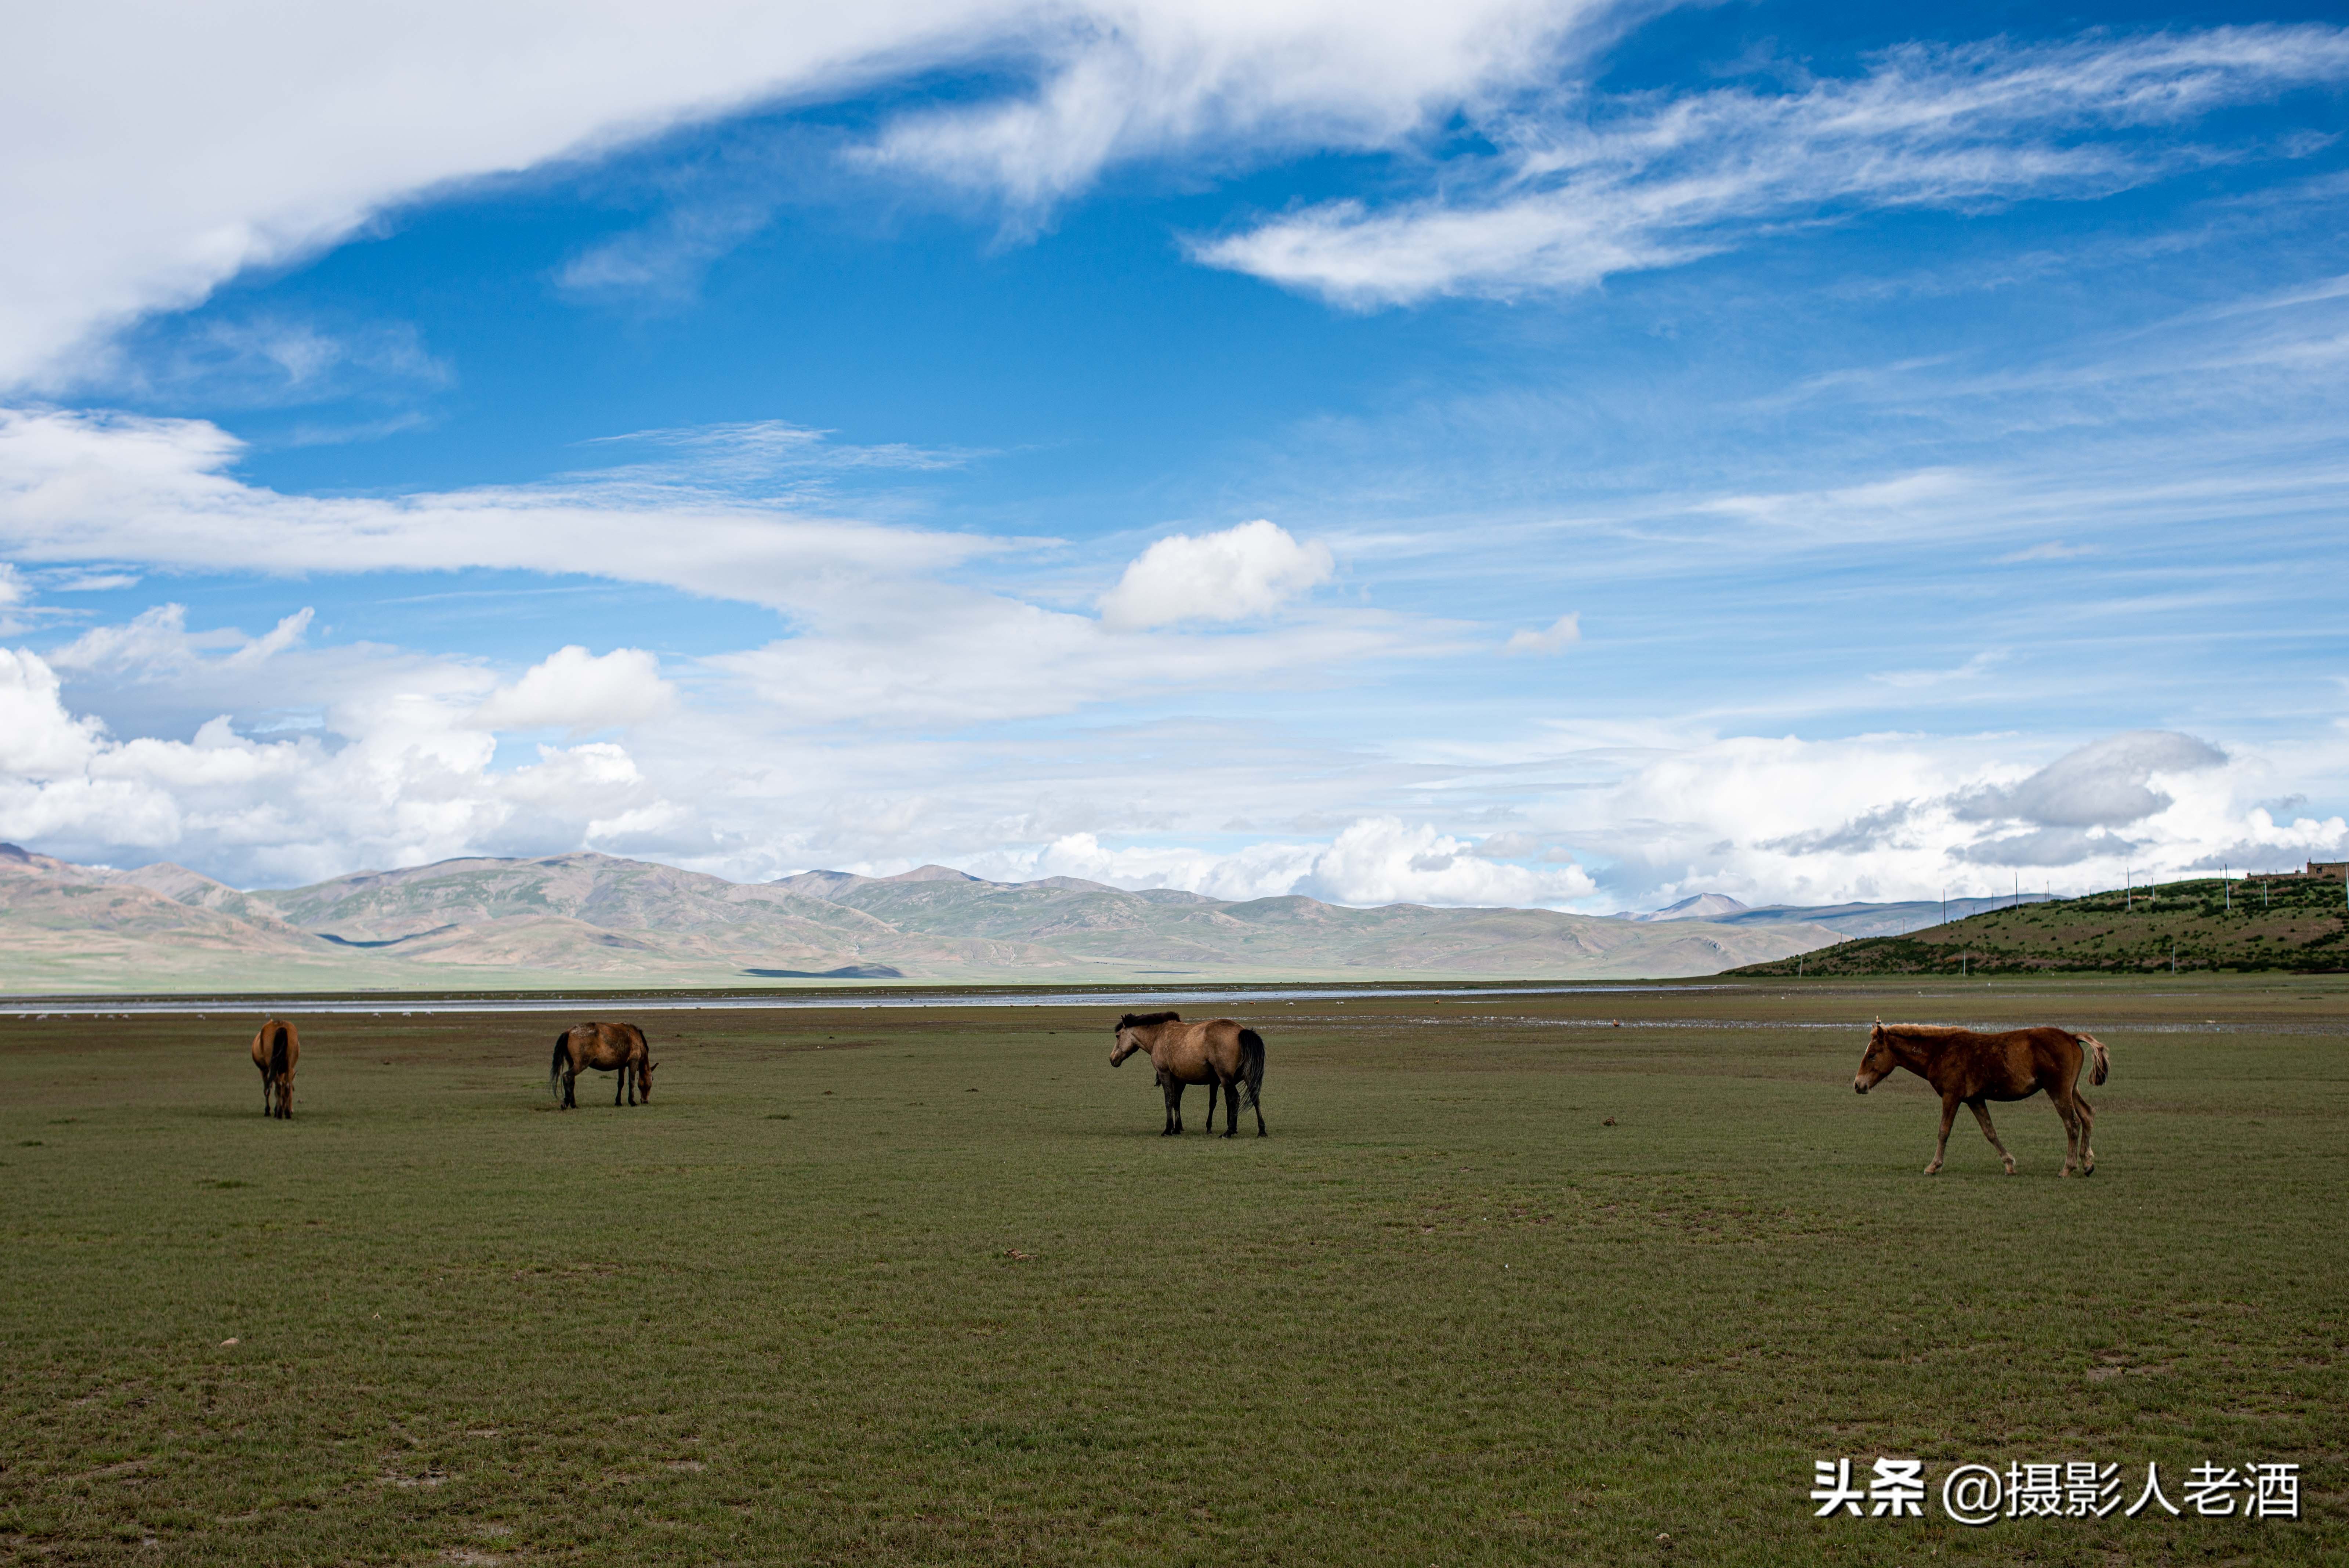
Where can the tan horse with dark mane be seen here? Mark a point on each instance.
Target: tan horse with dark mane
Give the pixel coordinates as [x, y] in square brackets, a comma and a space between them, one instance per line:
[1967, 1069]
[275, 1051]
[1220, 1053]
[606, 1048]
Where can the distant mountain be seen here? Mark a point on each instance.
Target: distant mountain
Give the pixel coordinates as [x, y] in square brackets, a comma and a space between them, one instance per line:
[587, 918]
[1703, 907]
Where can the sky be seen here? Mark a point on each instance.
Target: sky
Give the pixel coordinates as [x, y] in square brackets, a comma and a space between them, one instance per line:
[1519, 452]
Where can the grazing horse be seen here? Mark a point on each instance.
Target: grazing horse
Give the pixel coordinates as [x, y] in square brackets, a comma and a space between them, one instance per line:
[1219, 1054]
[606, 1048]
[1967, 1069]
[275, 1051]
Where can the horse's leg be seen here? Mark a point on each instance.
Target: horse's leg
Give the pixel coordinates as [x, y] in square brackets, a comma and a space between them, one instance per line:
[1981, 1115]
[1949, 1114]
[1231, 1106]
[570, 1088]
[1174, 1093]
[268, 1106]
[1211, 1106]
[285, 1097]
[2088, 1126]
[2071, 1119]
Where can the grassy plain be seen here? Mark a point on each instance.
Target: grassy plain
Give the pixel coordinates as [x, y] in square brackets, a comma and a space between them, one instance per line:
[1507, 1284]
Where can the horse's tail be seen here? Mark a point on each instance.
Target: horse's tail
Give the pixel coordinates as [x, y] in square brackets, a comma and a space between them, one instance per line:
[278, 1054]
[1252, 1062]
[2100, 1065]
[554, 1068]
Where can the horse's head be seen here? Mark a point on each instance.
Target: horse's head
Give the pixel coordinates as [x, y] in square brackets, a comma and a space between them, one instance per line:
[645, 1079]
[1131, 1030]
[1877, 1064]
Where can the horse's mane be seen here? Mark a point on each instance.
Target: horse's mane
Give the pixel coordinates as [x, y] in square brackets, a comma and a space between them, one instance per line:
[1145, 1020]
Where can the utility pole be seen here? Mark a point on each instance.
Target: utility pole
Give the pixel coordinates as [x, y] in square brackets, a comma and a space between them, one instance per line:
[2129, 890]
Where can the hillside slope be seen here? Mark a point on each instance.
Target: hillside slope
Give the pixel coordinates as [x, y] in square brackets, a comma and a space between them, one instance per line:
[2296, 924]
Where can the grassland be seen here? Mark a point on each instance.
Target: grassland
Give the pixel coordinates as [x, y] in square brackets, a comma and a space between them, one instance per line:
[2287, 924]
[1507, 1284]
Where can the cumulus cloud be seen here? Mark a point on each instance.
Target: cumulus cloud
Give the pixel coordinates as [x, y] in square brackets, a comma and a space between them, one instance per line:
[400, 777]
[1372, 860]
[1891, 818]
[1594, 187]
[1555, 637]
[1240, 573]
[574, 689]
[2105, 784]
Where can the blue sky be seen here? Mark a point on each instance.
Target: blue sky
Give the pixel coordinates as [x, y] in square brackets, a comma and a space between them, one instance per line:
[1574, 455]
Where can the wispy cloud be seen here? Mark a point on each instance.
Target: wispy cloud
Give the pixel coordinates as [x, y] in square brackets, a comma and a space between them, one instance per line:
[1597, 188]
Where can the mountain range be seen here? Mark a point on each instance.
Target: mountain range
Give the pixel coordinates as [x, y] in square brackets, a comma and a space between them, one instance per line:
[590, 920]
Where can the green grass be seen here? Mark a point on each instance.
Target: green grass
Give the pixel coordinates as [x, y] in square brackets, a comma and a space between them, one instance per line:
[1448, 1313]
[2296, 925]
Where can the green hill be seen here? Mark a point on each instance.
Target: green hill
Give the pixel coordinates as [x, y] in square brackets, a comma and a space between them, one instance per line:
[2295, 924]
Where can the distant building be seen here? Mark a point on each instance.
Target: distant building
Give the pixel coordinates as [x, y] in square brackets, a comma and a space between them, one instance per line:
[2338, 870]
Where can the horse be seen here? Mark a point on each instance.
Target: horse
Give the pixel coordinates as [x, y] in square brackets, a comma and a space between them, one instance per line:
[606, 1048]
[1968, 1068]
[275, 1051]
[1219, 1053]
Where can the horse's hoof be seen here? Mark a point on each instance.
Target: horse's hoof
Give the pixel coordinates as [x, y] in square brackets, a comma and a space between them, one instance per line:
[1933, 1170]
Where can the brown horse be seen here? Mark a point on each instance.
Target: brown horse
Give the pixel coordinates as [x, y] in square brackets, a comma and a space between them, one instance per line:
[606, 1048]
[1220, 1053]
[1968, 1068]
[275, 1051]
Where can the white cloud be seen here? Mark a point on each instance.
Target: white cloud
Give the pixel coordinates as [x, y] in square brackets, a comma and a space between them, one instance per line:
[1555, 637]
[1598, 187]
[38, 738]
[153, 150]
[1144, 79]
[1890, 818]
[407, 779]
[574, 689]
[77, 487]
[1238, 574]
[928, 654]
[1374, 860]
